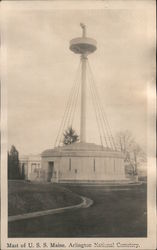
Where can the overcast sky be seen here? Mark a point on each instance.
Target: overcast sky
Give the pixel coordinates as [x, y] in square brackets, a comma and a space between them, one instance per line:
[41, 70]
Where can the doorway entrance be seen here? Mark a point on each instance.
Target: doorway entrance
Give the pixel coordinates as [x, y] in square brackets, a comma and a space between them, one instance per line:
[50, 171]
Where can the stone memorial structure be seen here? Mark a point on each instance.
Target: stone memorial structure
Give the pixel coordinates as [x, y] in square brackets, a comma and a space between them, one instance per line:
[83, 162]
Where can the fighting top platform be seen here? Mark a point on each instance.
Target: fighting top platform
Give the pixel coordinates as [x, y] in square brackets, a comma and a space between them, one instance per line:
[83, 45]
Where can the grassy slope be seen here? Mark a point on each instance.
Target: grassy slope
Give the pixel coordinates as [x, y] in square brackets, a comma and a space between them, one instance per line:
[26, 197]
[115, 213]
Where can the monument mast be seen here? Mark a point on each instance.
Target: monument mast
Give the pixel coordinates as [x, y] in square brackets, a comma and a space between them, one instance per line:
[84, 46]
[83, 92]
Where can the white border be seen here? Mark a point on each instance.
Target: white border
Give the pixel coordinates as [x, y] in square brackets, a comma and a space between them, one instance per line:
[145, 243]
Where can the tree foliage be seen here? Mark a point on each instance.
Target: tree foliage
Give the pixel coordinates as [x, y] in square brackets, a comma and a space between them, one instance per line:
[13, 164]
[134, 155]
[70, 136]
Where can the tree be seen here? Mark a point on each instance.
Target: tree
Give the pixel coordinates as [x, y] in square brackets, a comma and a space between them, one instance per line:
[124, 141]
[134, 155]
[138, 156]
[70, 136]
[13, 164]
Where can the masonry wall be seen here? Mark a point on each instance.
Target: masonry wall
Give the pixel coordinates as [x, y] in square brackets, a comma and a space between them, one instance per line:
[84, 168]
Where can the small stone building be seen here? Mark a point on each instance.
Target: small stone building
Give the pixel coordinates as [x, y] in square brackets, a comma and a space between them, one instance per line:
[82, 163]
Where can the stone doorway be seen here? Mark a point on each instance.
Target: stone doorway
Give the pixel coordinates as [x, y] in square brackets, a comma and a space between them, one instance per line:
[50, 171]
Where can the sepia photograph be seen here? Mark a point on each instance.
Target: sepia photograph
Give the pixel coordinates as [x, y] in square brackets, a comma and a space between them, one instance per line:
[78, 125]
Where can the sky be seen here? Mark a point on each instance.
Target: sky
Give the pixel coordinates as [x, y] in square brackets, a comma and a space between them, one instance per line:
[41, 70]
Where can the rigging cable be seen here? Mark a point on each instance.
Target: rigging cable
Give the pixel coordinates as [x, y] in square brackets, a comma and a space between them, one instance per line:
[100, 115]
[67, 107]
[68, 116]
[96, 113]
[108, 129]
[74, 103]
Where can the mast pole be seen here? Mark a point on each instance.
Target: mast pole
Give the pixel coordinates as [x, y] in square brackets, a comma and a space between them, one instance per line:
[83, 91]
[84, 46]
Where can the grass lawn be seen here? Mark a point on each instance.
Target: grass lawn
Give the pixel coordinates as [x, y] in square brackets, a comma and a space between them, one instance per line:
[116, 212]
[25, 197]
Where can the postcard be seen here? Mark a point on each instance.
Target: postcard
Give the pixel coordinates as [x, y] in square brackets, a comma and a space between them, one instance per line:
[78, 166]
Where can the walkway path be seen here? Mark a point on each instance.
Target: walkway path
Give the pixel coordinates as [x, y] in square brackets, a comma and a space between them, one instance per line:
[86, 202]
